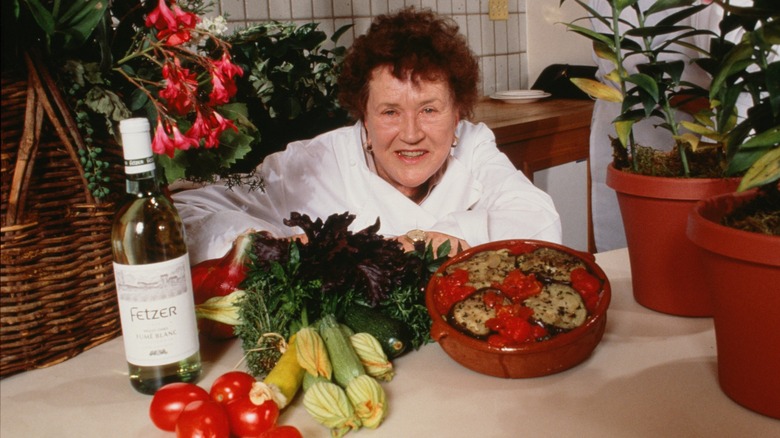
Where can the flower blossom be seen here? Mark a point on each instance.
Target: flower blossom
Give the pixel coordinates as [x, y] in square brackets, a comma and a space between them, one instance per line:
[175, 24]
[200, 128]
[162, 143]
[219, 124]
[209, 127]
[180, 87]
[223, 86]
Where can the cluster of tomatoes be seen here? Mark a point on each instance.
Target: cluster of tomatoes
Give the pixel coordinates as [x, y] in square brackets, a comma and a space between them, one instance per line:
[224, 411]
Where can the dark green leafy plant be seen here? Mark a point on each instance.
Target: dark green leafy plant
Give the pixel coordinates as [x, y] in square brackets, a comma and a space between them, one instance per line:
[656, 90]
[290, 83]
[748, 69]
[730, 144]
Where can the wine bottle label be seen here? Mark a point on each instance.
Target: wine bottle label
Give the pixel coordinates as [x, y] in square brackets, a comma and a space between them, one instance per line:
[157, 311]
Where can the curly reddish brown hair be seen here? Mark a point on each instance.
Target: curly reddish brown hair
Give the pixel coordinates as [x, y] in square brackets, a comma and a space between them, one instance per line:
[415, 44]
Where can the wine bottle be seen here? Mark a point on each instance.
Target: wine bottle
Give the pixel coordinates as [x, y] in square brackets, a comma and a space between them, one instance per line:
[152, 273]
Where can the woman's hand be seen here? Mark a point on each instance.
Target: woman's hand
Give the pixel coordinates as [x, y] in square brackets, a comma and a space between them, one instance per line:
[303, 239]
[431, 237]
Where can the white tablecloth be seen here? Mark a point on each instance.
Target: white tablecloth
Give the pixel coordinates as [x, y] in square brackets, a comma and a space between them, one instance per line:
[653, 375]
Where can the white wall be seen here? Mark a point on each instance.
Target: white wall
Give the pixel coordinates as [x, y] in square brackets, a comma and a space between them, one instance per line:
[499, 45]
[549, 42]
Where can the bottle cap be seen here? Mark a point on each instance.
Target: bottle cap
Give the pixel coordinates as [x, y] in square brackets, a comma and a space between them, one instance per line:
[137, 145]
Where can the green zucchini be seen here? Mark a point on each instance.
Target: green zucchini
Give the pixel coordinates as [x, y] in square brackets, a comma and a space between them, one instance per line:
[310, 379]
[343, 358]
[391, 333]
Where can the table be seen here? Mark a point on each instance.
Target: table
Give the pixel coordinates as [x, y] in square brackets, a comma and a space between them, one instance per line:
[540, 135]
[653, 375]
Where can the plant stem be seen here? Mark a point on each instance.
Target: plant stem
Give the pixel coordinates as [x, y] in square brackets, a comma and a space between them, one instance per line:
[618, 42]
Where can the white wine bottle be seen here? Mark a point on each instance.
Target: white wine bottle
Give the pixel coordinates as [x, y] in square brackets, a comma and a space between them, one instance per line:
[152, 272]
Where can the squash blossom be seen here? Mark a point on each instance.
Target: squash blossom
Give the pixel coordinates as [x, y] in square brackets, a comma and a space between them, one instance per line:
[369, 400]
[327, 403]
[311, 353]
[372, 356]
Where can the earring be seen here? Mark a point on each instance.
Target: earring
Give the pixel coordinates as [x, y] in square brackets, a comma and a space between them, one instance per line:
[368, 146]
[455, 141]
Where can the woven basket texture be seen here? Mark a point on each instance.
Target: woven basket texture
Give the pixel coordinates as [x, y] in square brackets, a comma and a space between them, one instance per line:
[57, 294]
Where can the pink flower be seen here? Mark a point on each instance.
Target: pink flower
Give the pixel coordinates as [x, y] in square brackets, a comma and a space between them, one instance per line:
[174, 24]
[180, 141]
[161, 17]
[200, 128]
[187, 20]
[223, 86]
[219, 93]
[218, 125]
[226, 66]
[162, 143]
[180, 87]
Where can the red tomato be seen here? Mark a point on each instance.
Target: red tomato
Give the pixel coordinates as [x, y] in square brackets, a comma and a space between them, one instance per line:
[451, 289]
[521, 248]
[285, 431]
[231, 385]
[249, 419]
[169, 401]
[203, 419]
[588, 286]
[519, 286]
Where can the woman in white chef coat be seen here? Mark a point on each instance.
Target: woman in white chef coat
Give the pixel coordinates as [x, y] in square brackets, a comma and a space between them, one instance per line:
[412, 159]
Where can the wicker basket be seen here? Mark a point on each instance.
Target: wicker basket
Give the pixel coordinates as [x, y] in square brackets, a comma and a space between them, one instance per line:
[57, 295]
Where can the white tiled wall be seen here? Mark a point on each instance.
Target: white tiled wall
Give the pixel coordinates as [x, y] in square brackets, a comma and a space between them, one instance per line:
[500, 45]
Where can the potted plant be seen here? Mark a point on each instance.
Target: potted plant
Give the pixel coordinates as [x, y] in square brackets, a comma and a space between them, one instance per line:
[739, 233]
[656, 189]
[71, 70]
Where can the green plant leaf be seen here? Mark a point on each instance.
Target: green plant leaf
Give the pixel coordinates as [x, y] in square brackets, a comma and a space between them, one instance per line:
[645, 83]
[662, 5]
[78, 22]
[598, 90]
[42, 16]
[604, 51]
[173, 169]
[736, 61]
[591, 34]
[764, 171]
[623, 4]
[623, 129]
[752, 150]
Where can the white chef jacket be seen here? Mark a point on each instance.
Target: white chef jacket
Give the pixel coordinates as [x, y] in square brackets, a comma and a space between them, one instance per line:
[481, 197]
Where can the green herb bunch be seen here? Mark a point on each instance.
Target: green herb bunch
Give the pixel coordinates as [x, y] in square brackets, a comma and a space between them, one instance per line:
[291, 285]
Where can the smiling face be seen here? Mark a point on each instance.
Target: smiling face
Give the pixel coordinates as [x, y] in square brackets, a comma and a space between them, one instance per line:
[411, 128]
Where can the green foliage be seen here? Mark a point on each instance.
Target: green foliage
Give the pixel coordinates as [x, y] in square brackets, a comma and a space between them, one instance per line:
[657, 88]
[289, 83]
[290, 285]
[750, 67]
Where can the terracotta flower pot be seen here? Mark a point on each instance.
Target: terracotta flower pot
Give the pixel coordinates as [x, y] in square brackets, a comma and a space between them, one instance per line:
[742, 271]
[665, 270]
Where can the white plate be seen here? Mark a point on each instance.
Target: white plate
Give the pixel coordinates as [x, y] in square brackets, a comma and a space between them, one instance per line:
[520, 99]
[518, 93]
